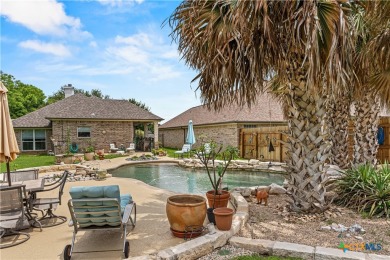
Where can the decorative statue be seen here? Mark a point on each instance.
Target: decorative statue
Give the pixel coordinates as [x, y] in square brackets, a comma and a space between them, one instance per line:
[262, 194]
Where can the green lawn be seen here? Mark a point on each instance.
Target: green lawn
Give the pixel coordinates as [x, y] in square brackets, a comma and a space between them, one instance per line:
[27, 161]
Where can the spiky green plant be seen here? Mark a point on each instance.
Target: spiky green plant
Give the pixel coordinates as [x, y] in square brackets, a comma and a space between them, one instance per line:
[366, 189]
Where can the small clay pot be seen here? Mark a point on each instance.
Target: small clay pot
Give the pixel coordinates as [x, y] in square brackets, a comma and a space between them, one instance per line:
[223, 218]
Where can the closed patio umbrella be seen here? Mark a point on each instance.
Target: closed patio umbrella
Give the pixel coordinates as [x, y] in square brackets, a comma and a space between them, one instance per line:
[190, 139]
[8, 145]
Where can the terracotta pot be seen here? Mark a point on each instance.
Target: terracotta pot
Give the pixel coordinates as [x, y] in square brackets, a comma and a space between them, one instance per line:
[221, 200]
[67, 159]
[89, 156]
[185, 210]
[223, 218]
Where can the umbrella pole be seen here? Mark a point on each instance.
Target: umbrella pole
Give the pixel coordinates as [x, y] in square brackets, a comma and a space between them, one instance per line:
[8, 172]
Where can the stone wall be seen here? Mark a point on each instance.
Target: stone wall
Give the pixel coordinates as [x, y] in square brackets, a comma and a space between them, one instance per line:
[227, 134]
[103, 133]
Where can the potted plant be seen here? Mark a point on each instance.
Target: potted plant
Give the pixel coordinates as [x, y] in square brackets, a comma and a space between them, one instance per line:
[100, 154]
[89, 151]
[216, 169]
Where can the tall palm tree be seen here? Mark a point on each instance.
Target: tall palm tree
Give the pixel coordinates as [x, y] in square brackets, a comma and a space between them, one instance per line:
[238, 45]
[337, 122]
[371, 26]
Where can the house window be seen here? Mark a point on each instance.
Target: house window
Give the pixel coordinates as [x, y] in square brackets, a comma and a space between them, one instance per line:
[250, 126]
[83, 132]
[34, 139]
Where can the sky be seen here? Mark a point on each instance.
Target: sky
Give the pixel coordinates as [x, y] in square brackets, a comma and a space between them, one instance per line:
[118, 46]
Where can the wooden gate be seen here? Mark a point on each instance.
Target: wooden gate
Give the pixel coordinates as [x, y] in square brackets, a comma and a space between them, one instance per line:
[383, 154]
[254, 143]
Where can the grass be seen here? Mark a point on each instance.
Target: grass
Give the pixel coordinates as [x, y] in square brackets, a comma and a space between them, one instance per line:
[258, 257]
[28, 161]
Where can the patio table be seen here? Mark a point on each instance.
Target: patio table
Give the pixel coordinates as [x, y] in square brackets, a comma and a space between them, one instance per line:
[30, 186]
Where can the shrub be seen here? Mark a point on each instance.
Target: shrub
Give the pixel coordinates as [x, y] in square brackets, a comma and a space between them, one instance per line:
[366, 189]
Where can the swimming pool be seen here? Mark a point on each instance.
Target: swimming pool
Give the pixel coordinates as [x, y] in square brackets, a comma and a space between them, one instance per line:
[184, 180]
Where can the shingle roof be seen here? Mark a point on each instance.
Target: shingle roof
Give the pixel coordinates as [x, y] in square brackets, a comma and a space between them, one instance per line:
[259, 112]
[80, 106]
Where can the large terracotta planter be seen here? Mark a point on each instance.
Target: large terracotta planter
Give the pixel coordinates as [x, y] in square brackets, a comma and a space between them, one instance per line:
[223, 218]
[185, 211]
[221, 200]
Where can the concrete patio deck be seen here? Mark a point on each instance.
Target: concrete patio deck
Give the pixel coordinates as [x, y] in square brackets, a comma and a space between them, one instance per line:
[150, 235]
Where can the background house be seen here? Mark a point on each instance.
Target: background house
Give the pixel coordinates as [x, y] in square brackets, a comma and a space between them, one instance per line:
[226, 126]
[81, 119]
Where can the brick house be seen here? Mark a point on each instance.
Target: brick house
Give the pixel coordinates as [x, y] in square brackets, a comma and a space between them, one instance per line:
[80, 119]
[223, 126]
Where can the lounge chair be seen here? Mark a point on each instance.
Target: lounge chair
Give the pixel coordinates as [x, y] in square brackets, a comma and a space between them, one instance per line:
[47, 205]
[131, 148]
[100, 208]
[185, 149]
[113, 149]
[12, 215]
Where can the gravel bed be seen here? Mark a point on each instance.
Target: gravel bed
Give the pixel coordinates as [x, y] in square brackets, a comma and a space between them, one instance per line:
[226, 252]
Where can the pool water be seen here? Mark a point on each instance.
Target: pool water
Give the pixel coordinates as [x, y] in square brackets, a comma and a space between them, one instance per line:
[184, 180]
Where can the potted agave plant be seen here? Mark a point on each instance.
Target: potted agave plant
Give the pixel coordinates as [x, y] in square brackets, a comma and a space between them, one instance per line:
[218, 198]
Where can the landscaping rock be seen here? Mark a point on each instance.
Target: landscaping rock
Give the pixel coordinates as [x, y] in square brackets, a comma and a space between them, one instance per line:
[246, 192]
[253, 162]
[276, 189]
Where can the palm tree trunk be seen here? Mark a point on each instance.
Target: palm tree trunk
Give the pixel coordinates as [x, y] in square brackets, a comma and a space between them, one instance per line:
[307, 148]
[337, 119]
[366, 127]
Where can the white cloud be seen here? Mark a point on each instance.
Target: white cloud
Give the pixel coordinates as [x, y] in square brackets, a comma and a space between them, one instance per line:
[44, 17]
[49, 48]
[93, 44]
[144, 53]
[120, 2]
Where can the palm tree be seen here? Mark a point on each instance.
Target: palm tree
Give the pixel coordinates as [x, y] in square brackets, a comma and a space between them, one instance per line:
[238, 45]
[371, 26]
[337, 122]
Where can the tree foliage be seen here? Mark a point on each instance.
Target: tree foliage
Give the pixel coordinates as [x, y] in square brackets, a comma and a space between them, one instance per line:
[22, 98]
[139, 103]
[60, 94]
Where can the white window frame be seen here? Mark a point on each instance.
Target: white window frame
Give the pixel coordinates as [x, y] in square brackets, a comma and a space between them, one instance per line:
[34, 141]
[90, 132]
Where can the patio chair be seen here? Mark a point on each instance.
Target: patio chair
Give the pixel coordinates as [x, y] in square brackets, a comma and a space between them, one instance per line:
[23, 175]
[185, 149]
[113, 149]
[47, 205]
[12, 215]
[100, 208]
[131, 148]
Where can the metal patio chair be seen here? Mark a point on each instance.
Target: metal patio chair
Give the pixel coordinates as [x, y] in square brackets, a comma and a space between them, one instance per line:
[12, 215]
[23, 175]
[100, 208]
[47, 205]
